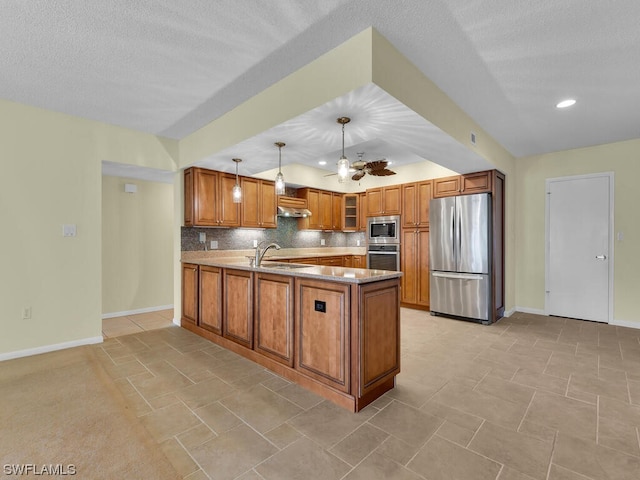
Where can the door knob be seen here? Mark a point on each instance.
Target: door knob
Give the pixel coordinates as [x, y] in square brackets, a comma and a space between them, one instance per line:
[601, 257]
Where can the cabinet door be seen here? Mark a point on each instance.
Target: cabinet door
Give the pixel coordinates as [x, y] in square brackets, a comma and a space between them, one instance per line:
[409, 204]
[350, 212]
[336, 211]
[478, 182]
[330, 261]
[250, 209]
[322, 331]
[422, 258]
[211, 299]
[190, 293]
[347, 261]
[274, 317]
[446, 186]
[238, 307]
[228, 212]
[362, 213]
[268, 204]
[313, 204]
[374, 202]
[326, 209]
[392, 200]
[424, 196]
[188, 197]
[408, 262]
[205, 197]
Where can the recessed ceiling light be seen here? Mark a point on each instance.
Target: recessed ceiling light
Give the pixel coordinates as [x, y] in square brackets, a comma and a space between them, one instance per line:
[566, 103]
[322, 162]
[389, 162]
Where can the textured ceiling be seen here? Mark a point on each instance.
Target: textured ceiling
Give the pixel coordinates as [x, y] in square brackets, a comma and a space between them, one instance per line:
[169, 67]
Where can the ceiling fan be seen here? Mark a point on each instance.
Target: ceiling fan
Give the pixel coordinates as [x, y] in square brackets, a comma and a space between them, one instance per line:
[377, 168]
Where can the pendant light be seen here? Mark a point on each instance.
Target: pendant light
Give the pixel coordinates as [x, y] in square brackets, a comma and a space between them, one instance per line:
[279, 176]
[343, 163]
[237, 191]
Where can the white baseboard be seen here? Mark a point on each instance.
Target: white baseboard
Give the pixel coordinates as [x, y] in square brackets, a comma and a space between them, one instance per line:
[508, 313]
[625, 323]
[535, 311]
[176, 321]
[135, 312]
[50, 348]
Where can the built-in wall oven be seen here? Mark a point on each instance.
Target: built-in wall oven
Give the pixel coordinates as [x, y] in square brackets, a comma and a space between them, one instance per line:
[383, 243]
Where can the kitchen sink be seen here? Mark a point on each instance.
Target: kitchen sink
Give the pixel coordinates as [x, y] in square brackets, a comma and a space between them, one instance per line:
[284, 266]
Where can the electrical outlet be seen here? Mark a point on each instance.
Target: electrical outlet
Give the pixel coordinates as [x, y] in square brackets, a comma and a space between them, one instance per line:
[214, 244]
[26, 313]
[255, 243]
[357, 243]
[202, 237]
[322, 242]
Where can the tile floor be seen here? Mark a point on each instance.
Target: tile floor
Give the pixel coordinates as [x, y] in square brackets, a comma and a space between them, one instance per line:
[530, 397]
[118, 326]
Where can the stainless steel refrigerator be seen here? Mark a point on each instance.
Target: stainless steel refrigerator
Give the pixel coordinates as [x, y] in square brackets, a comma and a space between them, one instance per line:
[460, 256]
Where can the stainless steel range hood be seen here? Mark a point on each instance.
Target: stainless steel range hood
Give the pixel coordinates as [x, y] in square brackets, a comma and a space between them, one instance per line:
[293, 212]
[292, 207]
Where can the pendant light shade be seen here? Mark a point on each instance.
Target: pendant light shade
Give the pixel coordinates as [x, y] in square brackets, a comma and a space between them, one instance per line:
[343, 163]
[279, 176]
[236, 191]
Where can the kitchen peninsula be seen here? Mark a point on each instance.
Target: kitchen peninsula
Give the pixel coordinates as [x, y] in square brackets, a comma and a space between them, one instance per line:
[333, 330]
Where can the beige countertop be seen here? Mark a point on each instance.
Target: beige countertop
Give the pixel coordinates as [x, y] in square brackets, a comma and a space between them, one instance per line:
[283, 253]
[318, 272]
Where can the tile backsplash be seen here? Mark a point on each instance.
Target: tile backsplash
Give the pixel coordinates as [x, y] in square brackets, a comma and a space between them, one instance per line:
[286, 235]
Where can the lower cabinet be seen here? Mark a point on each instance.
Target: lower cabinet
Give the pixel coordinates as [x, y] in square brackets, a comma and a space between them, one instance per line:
[238, 306]
[414, 259]
[190, 293]
[322, 331]
[274, 317]
[210, 290]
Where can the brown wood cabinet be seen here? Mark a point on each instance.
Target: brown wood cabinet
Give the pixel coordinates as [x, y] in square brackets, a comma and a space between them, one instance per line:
[238, 306]
[477, 182]
[336, 261]
[362, 212]
[322, 331]
[414, 261]
[259, 208]
[210, 291]
[324, 206]
[190, 293]
[415, 203]
[274, 317]
[359, 261]
[336, 211]
[208, 200]
[351, 212]
[384, 200]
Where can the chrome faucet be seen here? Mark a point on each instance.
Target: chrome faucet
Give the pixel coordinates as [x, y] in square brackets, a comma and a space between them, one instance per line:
[261, 251]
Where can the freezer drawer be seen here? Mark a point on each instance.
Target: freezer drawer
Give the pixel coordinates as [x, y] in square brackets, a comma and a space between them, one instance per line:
[460, 294]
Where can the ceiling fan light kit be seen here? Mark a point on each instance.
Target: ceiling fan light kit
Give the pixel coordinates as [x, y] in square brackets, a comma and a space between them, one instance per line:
[279, 176]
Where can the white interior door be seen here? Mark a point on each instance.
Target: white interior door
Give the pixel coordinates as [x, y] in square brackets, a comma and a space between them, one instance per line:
[579, 247]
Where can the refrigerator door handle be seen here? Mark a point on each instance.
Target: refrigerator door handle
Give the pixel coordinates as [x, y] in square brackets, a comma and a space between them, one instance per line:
[459, 276]
[452, 235]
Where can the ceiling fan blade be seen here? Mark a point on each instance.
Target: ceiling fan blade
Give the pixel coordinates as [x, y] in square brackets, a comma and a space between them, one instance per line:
[376, 165]
[358, 175]
[382, 173]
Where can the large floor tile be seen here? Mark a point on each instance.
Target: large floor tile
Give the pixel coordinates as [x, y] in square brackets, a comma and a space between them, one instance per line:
[359, 444]
[232, 453]
[569, 416]
[521, 452]
[169, 421]
[409, 424]
[303, 460]
[440, 459]
[380, 467]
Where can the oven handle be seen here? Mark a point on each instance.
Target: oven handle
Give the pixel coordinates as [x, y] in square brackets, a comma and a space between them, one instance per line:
[382, 253]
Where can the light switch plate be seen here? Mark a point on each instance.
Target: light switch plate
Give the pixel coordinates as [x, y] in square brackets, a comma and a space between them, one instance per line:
[214, 244]
[69, 230]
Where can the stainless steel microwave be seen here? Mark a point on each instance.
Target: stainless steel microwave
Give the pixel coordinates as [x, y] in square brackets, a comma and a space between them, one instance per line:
[383, 229]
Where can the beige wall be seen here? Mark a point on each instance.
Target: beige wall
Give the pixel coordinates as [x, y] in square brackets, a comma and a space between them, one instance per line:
[622, 158]
[137, 245]
[51, 175]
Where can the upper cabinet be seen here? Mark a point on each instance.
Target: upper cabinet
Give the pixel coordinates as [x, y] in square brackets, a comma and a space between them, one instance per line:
[350, 212]
[325, 207]
[259, 203]
[415, 203]
[478, 182]
[207, 199]
[362, 212]
[384, 200]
